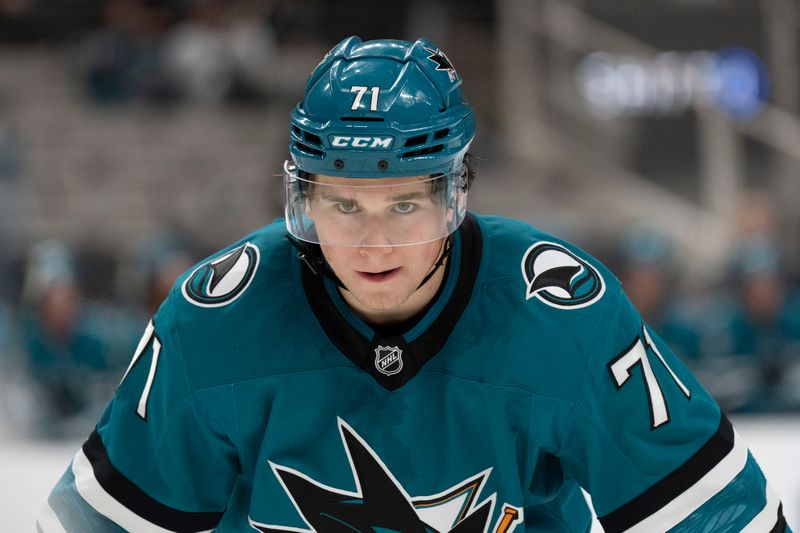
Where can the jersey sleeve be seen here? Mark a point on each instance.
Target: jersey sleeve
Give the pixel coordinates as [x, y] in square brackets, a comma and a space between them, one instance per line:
[652, 447]
[162, 457]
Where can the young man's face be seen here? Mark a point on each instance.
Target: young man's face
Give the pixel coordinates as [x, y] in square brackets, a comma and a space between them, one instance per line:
[383, 216]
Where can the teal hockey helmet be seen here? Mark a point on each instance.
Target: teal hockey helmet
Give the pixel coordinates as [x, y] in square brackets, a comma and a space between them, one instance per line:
[379, 109]
[383, 108]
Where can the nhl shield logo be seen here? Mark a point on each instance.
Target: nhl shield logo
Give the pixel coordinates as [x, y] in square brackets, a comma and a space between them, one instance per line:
[388, 360]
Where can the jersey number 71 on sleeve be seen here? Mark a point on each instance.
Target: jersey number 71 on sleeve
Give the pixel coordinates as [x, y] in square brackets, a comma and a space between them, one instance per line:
[149, 338]
[636, 354]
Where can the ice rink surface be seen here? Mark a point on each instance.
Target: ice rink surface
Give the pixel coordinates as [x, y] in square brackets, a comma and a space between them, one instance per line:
[29, 469]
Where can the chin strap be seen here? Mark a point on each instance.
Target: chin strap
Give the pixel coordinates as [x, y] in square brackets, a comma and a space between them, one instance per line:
[311, 255]
[448, 247]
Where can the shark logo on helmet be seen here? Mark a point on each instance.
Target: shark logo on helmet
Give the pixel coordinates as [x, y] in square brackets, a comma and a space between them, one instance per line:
[559, 278]
[442, 63]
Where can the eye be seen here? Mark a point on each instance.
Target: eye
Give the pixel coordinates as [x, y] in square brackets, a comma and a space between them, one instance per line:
[347, 207]
[405, 208]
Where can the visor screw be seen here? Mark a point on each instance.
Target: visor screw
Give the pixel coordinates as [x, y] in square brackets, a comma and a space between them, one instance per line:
[383, 164]
[338, 164]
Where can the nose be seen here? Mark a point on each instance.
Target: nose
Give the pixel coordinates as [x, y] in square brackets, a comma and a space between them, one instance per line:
[375, 252]
[374, 240]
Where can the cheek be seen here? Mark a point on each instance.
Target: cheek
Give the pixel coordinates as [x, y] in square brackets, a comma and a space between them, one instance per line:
[339, 257]
[330, 254]
[425, 256]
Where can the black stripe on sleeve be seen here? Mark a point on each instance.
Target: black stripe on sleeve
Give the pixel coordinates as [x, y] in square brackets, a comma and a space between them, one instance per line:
[127, 493]
[713, 451]
[780, 525]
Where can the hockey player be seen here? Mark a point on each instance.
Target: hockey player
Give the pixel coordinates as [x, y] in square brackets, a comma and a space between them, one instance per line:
[399, 364]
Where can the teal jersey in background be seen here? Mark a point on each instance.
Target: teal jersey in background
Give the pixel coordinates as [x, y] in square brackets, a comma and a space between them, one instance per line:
[258, 401]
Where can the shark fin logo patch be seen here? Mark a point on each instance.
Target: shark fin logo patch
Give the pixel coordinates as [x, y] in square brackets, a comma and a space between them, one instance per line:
[559, 278]
[222, 280]
[380, 503]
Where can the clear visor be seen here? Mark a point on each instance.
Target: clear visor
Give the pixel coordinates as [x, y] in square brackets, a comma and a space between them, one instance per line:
[373, 212]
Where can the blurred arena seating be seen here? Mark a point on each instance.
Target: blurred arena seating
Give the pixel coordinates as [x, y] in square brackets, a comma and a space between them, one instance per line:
[665, 140]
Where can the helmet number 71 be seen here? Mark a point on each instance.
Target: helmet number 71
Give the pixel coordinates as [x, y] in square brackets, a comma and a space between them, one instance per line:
[360, 92]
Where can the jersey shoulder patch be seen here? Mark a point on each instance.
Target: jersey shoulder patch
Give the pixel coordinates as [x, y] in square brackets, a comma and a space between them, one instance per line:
[560, 278]
[222, 280]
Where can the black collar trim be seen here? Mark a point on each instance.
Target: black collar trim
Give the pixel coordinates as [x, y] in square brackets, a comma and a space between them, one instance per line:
[391, 360]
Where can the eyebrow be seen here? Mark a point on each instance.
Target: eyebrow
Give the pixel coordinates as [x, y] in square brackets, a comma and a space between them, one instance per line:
[335, 198]
[406, 197]
[398, 198]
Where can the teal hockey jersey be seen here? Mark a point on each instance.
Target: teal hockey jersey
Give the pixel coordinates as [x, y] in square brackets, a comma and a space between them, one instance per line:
[257, 400]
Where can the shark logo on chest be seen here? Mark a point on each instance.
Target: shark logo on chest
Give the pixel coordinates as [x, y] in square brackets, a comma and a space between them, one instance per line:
[379, 502]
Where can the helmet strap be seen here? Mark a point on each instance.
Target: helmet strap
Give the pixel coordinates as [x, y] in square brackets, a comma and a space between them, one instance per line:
[448, 247]
[311, 255]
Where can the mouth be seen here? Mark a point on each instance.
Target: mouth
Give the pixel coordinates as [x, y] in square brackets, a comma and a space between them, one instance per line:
[384, 275]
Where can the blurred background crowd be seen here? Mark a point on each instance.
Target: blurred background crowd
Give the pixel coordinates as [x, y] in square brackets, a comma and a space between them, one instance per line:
[137, 136]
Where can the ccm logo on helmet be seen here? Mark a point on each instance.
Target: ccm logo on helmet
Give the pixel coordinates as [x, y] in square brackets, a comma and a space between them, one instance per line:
[346, 141]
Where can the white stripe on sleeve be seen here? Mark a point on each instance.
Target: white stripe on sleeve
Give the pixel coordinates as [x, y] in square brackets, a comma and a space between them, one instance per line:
[768, 517]
[104, 503]
[709, 485]
[48, 522]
